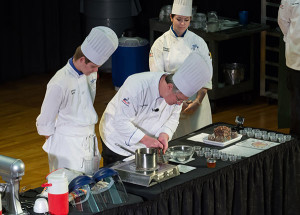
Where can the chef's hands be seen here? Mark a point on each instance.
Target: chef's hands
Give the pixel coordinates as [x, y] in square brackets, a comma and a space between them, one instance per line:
[190, 107]
[150, 142]
[163, 139]
[161, 142]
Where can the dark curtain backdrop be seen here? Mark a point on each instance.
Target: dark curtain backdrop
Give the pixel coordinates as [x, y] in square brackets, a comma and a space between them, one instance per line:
[38, 36]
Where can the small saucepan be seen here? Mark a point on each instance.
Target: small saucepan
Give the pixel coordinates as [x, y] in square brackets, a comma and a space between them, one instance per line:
[146, 159]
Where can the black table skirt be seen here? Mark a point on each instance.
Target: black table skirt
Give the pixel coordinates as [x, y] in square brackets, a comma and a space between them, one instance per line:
[266, 183]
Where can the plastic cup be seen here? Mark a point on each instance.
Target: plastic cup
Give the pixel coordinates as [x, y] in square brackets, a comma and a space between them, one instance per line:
[232, 158]
[273, 138]
[265, 137]
[287, 137]
[197, 148]
[216, 155]
[243, 17]
[250, 134]
[243, 132]
[214, 151]
[257, 135]
[248, 129]
[264, 132]
[224, 157]
[281, 139]
[208, 154]
[271, 134]
[201, 153]
[206, 149]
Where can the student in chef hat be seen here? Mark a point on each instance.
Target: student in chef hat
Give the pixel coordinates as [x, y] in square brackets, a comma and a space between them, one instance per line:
[68, 118]
[99, 45]
[168, 53]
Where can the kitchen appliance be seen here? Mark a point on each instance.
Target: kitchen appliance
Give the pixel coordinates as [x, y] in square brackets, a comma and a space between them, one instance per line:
[128, 173]
[11, 171]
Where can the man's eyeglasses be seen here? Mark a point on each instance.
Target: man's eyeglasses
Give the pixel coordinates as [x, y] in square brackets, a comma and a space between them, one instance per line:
[179, 101]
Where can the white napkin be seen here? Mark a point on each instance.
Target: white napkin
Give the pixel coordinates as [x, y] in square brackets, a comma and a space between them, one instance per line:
[185, 168]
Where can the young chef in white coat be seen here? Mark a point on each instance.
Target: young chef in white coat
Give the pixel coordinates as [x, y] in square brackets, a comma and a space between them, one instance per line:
[289, 22]
[145, 111]
[167, 54]
[68, 117]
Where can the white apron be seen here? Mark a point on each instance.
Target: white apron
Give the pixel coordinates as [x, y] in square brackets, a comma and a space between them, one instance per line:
[68, 149]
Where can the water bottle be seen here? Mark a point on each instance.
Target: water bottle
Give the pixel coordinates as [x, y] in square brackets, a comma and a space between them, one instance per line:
[58, 193]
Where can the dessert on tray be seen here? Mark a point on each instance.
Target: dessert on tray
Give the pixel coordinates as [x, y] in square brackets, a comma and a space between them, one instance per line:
[222, 134]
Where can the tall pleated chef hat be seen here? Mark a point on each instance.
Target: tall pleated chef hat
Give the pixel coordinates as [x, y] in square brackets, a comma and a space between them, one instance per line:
[99, 45]
[193, 74]
[182, 7]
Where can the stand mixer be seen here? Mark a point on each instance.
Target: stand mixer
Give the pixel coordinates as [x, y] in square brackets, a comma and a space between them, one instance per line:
[11, 171]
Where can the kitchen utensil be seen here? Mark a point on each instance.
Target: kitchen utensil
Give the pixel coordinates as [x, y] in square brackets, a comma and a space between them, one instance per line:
[146, 159]
[96, 158]
[181, 153]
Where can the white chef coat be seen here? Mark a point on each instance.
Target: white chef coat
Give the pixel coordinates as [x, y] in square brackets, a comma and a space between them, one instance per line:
[166, 55]
[68, 117]
[137, 109]
[289, 22]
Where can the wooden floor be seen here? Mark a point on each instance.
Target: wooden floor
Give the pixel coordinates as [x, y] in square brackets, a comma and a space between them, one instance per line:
[20, 103]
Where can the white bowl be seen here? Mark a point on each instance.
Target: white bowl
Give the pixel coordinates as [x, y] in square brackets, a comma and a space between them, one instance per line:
[40, 206]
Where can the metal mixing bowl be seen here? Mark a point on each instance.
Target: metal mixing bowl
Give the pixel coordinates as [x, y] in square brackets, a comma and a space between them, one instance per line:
[181, 153]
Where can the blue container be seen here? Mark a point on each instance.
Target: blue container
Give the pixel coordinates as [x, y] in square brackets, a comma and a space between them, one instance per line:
[131, 56]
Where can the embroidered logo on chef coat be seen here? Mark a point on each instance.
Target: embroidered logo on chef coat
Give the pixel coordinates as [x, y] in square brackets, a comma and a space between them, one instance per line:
[194, 47]
[126, 101]
[165, 49]
[92, 81]
[73, 91]
[150, 54]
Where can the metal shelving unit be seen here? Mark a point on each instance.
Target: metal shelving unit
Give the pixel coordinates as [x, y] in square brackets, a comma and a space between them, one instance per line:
[270, 40]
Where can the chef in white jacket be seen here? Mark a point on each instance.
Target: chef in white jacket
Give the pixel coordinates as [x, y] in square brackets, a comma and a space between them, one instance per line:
[145, 111]
[168, 53]
[68, 117]
[289, 23]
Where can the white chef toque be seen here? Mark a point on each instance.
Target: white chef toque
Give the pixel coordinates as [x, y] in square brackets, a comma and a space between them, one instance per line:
[182, 7]
[99, 45]
[193, 74]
